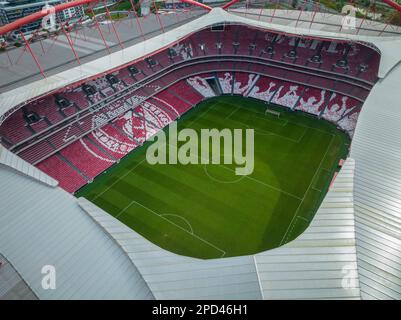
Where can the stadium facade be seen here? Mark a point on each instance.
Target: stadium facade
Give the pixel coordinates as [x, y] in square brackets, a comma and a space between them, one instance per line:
[351, 250]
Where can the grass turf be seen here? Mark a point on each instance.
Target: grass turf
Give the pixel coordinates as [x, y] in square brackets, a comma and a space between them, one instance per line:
[208, 211]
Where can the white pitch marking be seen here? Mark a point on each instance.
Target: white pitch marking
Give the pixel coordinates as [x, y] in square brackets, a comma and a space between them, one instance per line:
[232, 112]
[220, 181]
[313, 178]
[123, 176]
[194, 235]
[253, 179]
[181, 217]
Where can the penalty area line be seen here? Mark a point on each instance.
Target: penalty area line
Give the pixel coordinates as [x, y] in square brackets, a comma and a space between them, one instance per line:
[181, 217]
[192, 234]
[307, 190]
[232, 112]
[118, 180]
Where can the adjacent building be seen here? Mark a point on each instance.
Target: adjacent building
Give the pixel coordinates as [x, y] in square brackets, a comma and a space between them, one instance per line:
[11, 10]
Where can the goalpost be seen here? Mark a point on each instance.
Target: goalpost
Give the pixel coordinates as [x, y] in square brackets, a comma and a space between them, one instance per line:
[272, 112]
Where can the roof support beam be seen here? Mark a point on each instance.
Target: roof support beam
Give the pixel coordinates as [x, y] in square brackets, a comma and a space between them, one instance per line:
[229, 4]
[40, 14]
[198, 4]
[33, 55]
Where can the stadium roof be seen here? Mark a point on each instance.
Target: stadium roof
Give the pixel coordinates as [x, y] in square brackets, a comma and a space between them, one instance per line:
[352, 249]
[376, 148]
[55, 231]
[96, 256]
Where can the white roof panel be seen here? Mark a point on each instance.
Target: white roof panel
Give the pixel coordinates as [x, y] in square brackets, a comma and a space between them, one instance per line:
[43, 225]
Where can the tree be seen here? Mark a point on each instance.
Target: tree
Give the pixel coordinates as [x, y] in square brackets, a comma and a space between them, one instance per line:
[395, 18]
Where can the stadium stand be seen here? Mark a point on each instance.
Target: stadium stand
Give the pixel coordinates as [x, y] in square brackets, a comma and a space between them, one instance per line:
[226, 82]
[200, 84]
[132, 124]
[14, 128]
[313, 101]
[69, 179]
[112, 139]
[338, 106]
[243, 83]
[349, 120]
[264, 89]
[170, 103]
[90, 126]
[183, 90]
[82, 156]
[42, 148]
[48, 108]
[287, 94]
[39, 126]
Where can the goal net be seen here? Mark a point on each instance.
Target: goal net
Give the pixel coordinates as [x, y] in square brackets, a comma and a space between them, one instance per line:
[272, 112]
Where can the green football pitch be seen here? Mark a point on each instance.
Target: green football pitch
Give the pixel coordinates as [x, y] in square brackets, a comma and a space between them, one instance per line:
[206, 211]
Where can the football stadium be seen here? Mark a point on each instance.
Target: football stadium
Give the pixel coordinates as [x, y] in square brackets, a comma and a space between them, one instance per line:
[276, 126]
